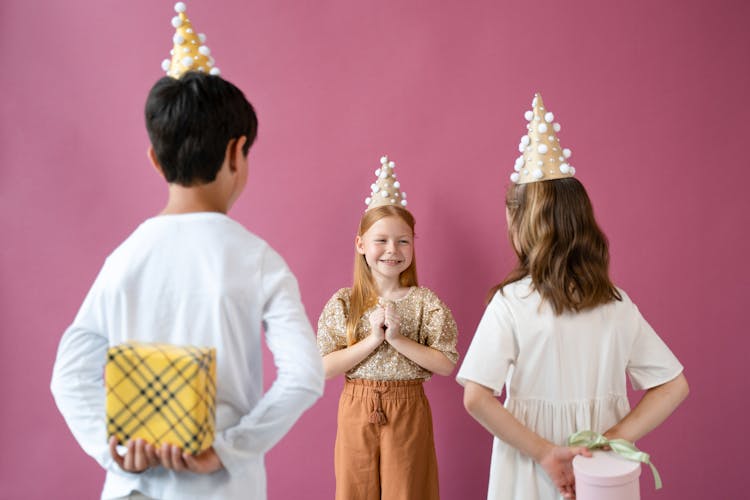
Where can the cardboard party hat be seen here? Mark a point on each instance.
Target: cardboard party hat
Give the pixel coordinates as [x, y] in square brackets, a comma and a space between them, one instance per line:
[542, 157]
[386, 190]
[189, 52]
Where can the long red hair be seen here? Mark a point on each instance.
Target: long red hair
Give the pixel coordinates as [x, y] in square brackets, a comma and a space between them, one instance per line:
[364, 291]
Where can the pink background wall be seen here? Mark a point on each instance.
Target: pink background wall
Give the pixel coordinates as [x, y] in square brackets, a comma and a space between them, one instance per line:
[651, 97]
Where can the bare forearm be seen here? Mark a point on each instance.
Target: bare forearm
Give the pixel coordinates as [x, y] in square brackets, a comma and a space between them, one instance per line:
[426, 357]
[482, 404]
[343, 360]
[656, 405]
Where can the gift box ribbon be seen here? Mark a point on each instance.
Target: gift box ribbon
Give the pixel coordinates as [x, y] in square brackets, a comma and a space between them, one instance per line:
[594, 441]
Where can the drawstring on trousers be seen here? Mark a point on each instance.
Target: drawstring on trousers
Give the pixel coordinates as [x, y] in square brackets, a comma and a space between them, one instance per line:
[378, 416]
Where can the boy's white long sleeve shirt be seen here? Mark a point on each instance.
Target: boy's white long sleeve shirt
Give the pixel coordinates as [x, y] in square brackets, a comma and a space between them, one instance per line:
[195, 279]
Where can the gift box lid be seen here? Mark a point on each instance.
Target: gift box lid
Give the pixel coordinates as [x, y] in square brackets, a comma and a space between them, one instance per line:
[605, 468]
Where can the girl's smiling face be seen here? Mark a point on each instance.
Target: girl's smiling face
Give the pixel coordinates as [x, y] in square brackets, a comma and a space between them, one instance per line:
[388, 247]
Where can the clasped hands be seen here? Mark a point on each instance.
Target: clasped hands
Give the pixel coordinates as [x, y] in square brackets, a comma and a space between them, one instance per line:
[141, 456]
[384, 323]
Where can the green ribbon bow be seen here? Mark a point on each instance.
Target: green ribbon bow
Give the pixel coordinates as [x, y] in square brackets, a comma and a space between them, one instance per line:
[625, 449]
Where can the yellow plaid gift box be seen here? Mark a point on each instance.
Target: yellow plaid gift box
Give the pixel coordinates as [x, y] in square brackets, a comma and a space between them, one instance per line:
[162, 394]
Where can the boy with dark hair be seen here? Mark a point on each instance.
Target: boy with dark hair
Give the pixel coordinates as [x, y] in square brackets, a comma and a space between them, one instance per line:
[190, 121]
[193, 276]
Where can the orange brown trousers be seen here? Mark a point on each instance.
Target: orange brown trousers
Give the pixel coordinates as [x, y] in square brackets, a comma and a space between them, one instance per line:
[384, 443]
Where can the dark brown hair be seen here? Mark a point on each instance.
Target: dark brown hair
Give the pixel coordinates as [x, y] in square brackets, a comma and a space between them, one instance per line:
[558, 243]
[190, 122]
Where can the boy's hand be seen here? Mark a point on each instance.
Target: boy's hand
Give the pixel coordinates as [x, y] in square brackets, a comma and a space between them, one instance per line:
[392, 323]
[557, 462]
[139, 457]
[172, 457]
[377, 324]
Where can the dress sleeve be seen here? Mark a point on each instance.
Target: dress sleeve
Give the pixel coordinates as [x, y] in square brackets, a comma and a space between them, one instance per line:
[332, 325]
[650, 363]
[493, 349]
[440, 328]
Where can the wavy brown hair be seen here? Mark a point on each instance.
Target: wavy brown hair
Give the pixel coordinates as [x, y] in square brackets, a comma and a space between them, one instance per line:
[364, 291]
[558, 243]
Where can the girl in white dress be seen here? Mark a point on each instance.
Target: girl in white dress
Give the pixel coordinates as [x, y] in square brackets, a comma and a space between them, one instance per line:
[561, 338]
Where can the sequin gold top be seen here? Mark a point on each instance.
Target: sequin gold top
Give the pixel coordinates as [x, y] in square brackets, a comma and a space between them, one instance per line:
[424, 318]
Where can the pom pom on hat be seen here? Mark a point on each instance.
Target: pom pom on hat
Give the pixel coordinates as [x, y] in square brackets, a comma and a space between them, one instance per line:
[194, 55]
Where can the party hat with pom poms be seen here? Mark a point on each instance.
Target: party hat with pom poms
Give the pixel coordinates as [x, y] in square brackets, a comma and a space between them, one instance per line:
[542, 158]
[189, 52]
[386, 190]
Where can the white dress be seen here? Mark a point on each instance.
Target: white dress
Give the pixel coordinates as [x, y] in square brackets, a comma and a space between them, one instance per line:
[562, 373]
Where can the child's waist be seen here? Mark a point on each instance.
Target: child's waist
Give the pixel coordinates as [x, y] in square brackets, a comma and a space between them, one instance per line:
[388, 389]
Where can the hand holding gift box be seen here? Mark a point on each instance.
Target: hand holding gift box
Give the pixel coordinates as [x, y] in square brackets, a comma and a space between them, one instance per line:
[163, 395]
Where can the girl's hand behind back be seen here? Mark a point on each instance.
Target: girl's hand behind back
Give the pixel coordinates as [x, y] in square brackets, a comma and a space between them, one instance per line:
[557, 462]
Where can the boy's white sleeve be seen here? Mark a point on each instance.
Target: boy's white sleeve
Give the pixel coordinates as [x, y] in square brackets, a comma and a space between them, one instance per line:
[300, 378]
[78, 379]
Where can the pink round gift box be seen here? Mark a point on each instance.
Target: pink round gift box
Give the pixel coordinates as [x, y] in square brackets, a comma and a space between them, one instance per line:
[606, 476]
